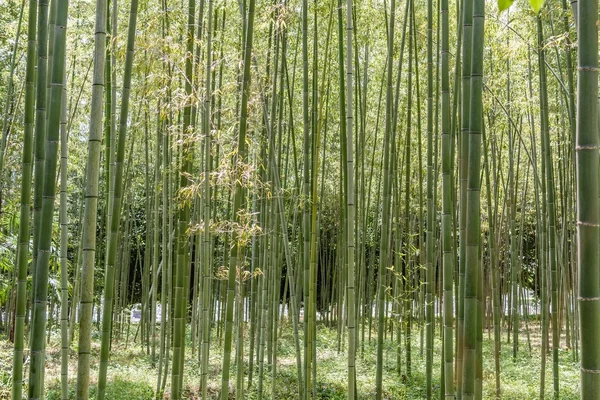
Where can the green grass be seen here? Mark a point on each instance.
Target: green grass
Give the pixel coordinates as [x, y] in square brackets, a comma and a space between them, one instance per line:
[132, 376]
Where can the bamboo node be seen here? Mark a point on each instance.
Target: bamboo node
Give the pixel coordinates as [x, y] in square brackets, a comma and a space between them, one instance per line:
[591, 371]
[587, 147]
[591, 69]
[583, 223]
[588, 298]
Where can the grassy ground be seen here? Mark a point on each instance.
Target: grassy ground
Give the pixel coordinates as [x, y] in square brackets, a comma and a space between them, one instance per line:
[132, 375]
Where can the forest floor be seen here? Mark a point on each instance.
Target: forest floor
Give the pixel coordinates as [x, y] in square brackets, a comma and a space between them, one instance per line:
[132, 376]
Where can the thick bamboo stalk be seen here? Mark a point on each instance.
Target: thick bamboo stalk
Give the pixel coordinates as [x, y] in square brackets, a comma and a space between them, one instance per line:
[447, 227]
[350, 199]
[588, 218]
[207, 237]
[551, 217]
[179, 297]
[473, 268]
[64, 237]
[37, 366]
[91, 205]
[463, 162]
[430, 245]
[107, 311]
[383, 255]
[24, 231]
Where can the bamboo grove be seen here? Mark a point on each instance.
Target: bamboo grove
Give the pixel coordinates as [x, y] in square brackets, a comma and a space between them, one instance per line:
[237, 193]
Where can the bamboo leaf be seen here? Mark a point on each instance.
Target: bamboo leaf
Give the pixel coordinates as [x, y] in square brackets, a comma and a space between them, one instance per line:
[536, 5]
[504, 5]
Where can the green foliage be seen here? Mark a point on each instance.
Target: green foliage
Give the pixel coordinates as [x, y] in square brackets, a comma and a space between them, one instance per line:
[119, 389]
[6, 383]
[536, 5]
[504, 4]
[8, 245]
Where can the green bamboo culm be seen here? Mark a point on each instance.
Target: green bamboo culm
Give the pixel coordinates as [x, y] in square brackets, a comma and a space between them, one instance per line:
[108, 132]
[155, 236]
[430, 250]
[107, 311]
[447, 220]
[240, 158]
[64, 249]
[351, 306]
[551, 218]
[183, 217]
[511, 225]
[316, 126]
[588, 202]
[207, 238]
[384, 243]
[163, 136]
[473, 270]
[280, 208]
[463, 161]
[24, 231]
[91, 205]
[407, 236]
[39, 140]
[38, 336]
[306, 196]
[110, 113]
